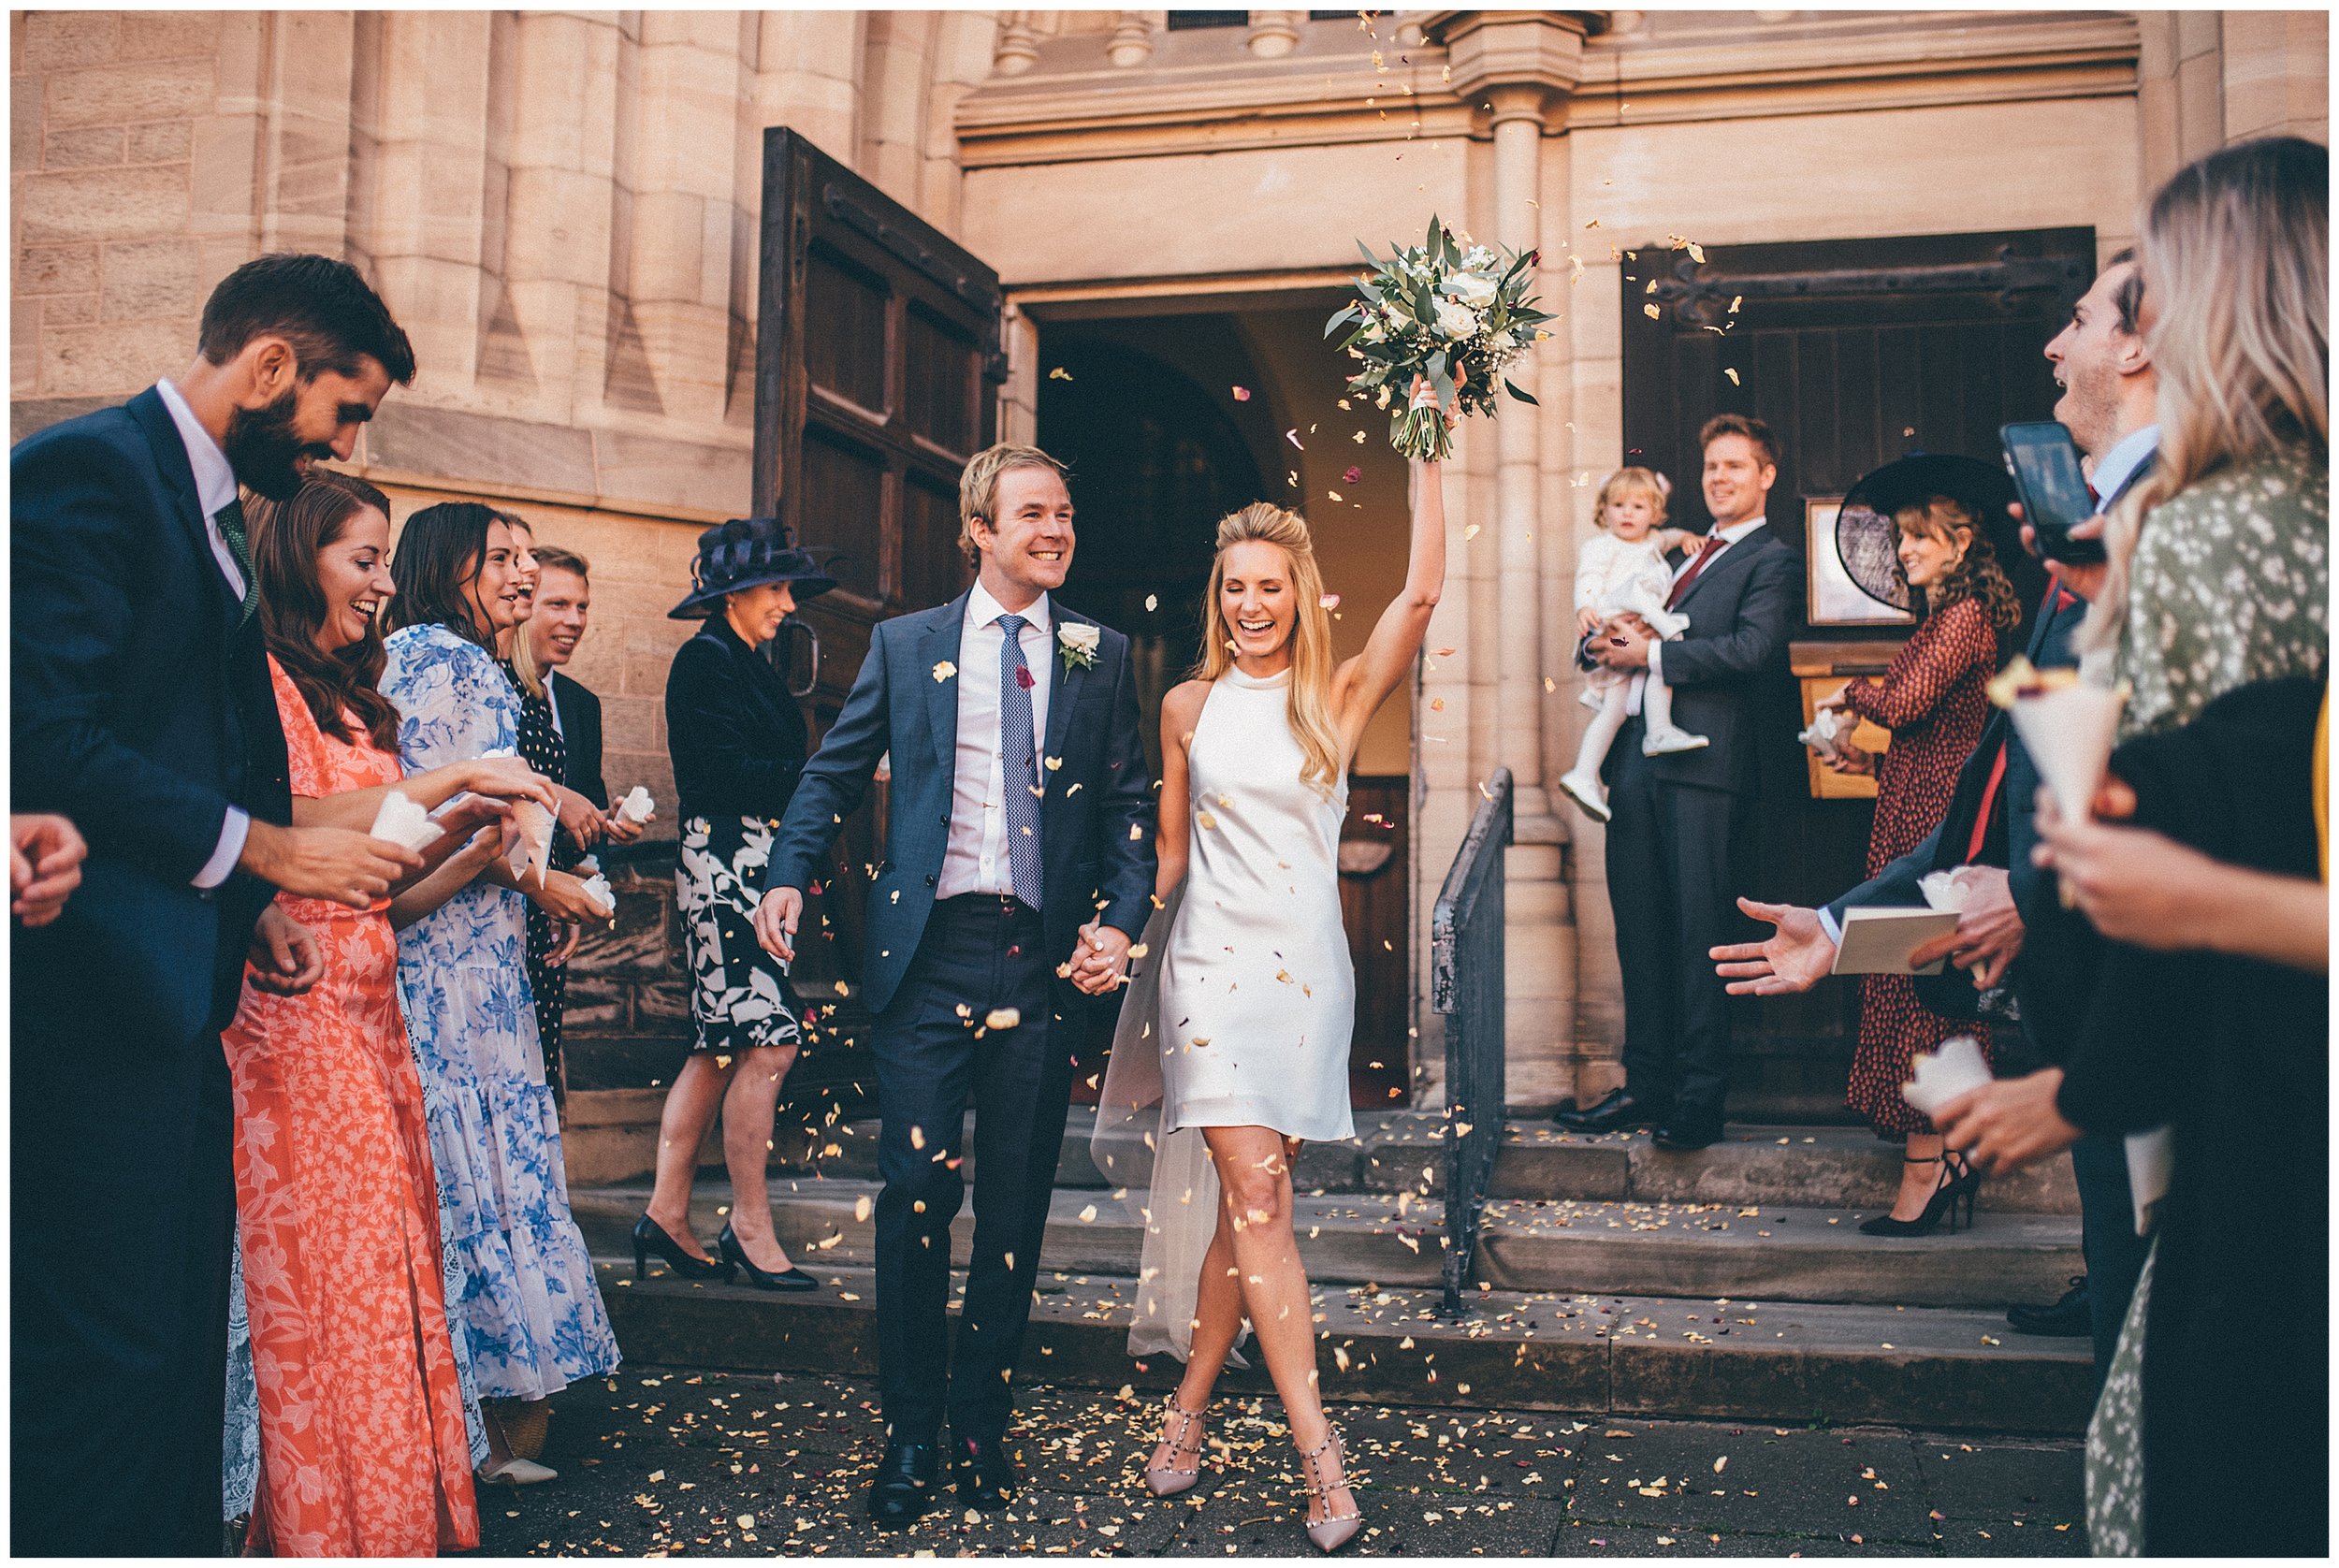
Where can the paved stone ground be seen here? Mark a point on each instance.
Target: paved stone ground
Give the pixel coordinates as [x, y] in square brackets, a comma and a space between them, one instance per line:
[661, 1460]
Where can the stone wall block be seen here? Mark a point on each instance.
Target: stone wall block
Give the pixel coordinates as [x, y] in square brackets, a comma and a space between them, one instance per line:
[94, 204]
[72, 310]
[88, 361]
[56, 270]
[108, 94]
[635, 720]
[24, 125]
[52, 40]
[164, 141]
[221, 176]
[89, 147]
[152, 278]
[713, 478]
[168, 34]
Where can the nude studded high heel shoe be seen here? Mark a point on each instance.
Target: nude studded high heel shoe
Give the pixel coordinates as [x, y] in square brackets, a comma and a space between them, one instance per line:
[1177, 1426]
[1332, 1531]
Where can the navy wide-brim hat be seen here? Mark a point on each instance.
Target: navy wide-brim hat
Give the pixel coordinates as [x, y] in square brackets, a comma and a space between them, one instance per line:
[1869, 541]
[744, 553]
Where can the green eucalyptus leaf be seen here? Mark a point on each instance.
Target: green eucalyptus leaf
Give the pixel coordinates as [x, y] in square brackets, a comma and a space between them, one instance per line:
[1513, 388]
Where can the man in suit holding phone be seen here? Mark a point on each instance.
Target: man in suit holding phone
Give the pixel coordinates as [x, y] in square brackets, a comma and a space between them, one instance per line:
[1669, 840]
[2014, 927]
[140, 703]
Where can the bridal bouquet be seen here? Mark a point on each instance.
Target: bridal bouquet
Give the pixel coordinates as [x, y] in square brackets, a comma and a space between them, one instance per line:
[1452, 316]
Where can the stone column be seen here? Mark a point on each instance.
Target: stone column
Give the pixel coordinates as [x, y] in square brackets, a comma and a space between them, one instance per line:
[1518, 68]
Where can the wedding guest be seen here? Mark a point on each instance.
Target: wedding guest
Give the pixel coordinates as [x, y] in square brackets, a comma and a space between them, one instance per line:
[363, 1446]
[531, 1308]
[1931, 700]
[2219, 581]
[2013, 927]
[140, 704]
[1673, 815]
[564, 598]
[739, 744]
[44, 855]
[577, 822]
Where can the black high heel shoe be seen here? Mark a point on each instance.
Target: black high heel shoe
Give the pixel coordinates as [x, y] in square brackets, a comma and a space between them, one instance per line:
[650, 1237]
[1952, 1186]
[787, 1279]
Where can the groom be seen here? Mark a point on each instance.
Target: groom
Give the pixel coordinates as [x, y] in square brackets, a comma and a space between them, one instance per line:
[1019, 854]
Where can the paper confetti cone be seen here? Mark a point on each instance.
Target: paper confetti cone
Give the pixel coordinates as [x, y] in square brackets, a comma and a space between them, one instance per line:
[404, 822]
[1942, 1075]
[2069, 732]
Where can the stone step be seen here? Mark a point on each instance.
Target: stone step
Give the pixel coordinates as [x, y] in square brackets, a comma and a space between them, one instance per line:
[1939, 1369]
[1655, 1249]
[1815, 1167]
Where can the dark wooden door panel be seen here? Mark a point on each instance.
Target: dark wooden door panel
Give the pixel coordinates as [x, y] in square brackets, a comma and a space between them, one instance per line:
[1855, 352]
[877, 362]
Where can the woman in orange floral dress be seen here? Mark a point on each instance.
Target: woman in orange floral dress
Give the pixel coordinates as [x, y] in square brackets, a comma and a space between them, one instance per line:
[363, 1448]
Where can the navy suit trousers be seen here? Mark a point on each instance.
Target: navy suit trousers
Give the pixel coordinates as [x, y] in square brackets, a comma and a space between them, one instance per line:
[979, 952]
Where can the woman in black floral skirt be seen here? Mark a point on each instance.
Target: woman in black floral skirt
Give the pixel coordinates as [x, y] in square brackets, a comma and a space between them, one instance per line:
[739, 744]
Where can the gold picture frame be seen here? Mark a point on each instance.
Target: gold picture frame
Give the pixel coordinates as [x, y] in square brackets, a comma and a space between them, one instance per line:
[1830, 597]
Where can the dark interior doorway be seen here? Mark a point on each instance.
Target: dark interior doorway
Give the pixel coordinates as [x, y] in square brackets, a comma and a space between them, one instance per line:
[1855, 352]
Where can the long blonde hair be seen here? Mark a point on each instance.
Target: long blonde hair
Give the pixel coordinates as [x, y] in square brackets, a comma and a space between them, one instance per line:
[2235, 259]
[1310, 701]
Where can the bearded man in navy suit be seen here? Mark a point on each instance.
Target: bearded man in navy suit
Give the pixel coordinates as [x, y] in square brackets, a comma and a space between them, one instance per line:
[141, 706]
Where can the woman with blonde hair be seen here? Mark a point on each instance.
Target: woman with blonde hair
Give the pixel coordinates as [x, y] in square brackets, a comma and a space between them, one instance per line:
[1247, 1017]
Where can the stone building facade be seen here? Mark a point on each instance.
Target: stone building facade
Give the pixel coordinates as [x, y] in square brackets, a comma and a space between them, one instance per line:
[562, 208]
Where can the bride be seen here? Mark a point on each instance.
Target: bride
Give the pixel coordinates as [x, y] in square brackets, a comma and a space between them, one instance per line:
[1241, 1028]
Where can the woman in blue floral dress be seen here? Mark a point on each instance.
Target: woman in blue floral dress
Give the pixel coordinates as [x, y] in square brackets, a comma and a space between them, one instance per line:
[528, 1306]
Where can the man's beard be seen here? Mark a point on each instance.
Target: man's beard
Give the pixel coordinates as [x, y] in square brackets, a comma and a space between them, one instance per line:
[261, 447]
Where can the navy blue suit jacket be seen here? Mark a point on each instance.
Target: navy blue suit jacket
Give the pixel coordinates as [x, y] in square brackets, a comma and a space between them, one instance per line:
[1740, 610]
[1096, 817]
[139, 710]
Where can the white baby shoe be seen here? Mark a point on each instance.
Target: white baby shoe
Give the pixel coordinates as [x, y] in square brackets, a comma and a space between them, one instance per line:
[1586, 790]
[1665, 742]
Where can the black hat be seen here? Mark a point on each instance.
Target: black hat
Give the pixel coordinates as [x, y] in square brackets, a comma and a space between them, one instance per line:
[1869, 541]
[744, 553]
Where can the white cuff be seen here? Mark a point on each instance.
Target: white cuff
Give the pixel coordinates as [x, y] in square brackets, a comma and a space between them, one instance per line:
[1827, 923]
[232, 832]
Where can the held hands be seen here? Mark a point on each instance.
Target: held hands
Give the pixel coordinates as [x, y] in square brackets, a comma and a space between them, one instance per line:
[44, 855]
[1796, 957]
[1100, 960]
[510, 778]
[775, 920]
[1622, 644]
[284, 958]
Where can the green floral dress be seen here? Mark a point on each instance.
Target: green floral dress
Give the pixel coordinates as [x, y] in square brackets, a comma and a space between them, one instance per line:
[2230, 584]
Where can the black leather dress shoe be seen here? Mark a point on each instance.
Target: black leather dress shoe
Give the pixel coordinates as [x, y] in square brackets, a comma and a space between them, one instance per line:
[1618, 1113]
[1684, 1134]
[985, 1472]
[905, 1486]
[2069, 1318]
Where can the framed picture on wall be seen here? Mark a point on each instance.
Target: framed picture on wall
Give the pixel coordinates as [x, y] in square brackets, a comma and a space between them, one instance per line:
[1832, 596]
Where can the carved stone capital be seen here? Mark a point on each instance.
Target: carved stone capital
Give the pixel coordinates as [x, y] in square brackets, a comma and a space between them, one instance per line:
[1539, 50]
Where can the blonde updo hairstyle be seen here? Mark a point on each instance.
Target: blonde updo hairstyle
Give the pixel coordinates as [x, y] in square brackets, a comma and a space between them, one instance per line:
[1310, 695]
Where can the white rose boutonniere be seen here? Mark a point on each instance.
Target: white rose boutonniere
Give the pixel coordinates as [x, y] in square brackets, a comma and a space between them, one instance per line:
[1076, 641]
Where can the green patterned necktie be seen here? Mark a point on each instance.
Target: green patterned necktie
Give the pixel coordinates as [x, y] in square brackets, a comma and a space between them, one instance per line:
[230, 520]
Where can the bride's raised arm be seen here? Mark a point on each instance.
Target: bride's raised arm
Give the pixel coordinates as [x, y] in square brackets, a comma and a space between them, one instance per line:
[1363, 683]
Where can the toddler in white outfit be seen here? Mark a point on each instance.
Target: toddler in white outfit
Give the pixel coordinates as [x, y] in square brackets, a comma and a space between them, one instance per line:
[1621, 571]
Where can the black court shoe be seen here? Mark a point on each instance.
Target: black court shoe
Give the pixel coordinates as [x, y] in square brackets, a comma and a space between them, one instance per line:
[650, 1237]
[1957, 1180]
[791, 1278]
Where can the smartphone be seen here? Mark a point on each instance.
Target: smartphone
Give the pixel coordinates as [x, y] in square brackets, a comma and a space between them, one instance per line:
[2044, 461]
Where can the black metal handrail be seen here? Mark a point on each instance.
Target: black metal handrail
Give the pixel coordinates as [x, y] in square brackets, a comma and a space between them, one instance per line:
[1466, 985]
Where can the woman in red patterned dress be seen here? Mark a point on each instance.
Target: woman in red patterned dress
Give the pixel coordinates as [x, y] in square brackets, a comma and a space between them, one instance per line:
[363, 1449]
[1932, 700]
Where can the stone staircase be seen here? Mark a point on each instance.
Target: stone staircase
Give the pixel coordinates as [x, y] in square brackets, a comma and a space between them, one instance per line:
[1613, 1276]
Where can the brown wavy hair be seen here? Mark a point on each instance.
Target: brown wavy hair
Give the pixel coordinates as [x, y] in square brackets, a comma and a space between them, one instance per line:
[1977, 574]
[285, 538]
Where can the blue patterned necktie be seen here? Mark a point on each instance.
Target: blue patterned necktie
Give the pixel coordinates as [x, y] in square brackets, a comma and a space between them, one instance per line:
[1019, 764]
